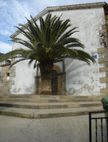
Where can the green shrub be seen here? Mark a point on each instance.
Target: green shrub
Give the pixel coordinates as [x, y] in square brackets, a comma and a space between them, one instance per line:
[105, 103]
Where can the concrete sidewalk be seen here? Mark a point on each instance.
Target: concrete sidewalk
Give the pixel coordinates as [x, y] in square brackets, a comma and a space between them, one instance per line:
[67, 129]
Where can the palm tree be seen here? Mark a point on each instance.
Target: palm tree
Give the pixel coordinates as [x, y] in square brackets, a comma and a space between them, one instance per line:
[48, 42]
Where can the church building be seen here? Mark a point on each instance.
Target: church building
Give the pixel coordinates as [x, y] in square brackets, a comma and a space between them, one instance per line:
[74, 77]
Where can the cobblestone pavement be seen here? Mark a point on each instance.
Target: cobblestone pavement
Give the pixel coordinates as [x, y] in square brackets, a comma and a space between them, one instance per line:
[67, 129]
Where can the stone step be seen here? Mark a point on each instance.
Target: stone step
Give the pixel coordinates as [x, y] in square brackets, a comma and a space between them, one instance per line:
[37, 107]
[48, 99]
[49, 105]
[43, 100]
[46, 113]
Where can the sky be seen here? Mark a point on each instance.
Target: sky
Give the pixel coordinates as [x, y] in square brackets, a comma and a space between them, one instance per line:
[13, 12]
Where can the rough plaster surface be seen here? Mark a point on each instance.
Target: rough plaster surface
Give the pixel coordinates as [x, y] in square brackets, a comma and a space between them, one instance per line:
[24, 81]
[23, 76]
[81, 79]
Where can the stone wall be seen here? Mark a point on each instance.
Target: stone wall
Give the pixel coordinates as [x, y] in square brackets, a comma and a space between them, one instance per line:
[103, 52]
[4, 81]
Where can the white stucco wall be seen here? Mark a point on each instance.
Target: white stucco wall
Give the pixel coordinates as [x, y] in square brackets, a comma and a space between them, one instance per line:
[23, 80]
[81, 79]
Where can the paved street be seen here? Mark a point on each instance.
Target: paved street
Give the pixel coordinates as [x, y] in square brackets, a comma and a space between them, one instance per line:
[68, 129]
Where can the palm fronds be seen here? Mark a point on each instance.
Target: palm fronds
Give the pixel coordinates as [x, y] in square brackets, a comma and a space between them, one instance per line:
[48, 42]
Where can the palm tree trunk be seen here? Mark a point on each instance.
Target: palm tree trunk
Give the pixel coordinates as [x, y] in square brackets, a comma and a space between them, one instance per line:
[45, 84]
[45, 87]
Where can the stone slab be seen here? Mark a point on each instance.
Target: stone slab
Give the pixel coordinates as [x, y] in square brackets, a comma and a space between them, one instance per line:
[46, 113]
[37, 105]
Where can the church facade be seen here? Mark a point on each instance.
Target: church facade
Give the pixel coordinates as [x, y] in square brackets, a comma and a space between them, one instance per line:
[75, 77]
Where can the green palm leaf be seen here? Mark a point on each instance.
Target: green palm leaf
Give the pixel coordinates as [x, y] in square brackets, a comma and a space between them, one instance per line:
[48, 42]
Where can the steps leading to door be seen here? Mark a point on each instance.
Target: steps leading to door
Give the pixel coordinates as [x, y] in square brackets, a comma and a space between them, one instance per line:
[46, 113]
[49, 105]
[36, 107]
[49, 98]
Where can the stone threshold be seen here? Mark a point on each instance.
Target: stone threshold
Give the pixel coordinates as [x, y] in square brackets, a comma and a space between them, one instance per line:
[47, 113]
